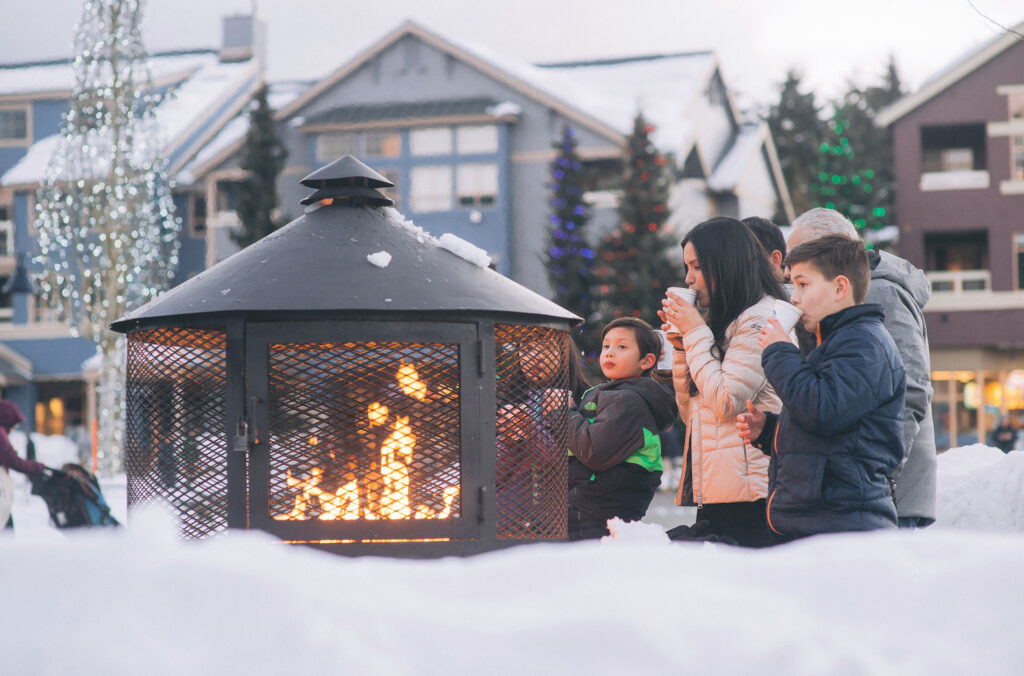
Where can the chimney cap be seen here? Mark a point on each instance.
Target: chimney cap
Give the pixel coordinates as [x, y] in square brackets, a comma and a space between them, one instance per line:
[345, 171]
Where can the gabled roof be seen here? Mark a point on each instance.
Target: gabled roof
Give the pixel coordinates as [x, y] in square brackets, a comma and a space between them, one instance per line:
[515, 74]
[951, 74]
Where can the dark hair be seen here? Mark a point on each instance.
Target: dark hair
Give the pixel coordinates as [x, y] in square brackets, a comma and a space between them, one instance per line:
[767, 233]
[834, 255]
[736, 270]
[647, 340]
[578, 383]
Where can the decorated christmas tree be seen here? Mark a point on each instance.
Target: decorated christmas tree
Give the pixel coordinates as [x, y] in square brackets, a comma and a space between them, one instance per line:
[263, 157]
[855, 171]
[634, 267]
[570, 259]
[108, 236]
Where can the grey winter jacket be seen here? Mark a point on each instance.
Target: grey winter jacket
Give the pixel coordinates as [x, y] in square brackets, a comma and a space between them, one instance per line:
[903, 290]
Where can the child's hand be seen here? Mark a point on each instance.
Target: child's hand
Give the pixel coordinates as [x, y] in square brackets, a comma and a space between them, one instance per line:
[556, 399]
[771, 333]
[514, 421]
[750, 424]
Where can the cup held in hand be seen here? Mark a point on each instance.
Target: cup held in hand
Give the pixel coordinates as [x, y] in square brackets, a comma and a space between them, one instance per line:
[684, 296]
[787, 314]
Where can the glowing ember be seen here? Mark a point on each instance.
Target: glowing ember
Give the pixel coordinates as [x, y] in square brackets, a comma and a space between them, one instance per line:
[390, 495]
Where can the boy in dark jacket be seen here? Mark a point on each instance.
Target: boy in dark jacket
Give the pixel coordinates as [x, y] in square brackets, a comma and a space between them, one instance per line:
[839, 437]
[615, 452]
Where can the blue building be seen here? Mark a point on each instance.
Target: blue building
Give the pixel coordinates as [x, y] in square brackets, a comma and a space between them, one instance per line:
[43, 366]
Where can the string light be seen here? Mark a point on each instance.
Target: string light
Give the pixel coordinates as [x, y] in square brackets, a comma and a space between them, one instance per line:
[107, 233]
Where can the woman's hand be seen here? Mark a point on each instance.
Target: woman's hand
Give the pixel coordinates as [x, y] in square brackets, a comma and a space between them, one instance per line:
[771, 333]
[682, 315]
[749, 425]
[515, 422]
[674, 339]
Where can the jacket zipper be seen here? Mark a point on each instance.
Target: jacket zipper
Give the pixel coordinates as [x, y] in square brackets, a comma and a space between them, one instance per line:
[768, 509]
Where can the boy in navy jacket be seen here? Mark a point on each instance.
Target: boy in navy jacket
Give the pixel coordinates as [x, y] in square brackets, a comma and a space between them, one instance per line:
[838, 439]
[615, 452]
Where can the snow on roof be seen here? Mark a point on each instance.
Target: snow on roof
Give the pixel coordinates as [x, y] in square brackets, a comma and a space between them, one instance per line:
[662, 87]
[206, 84]
[50, 76]
[728, 172]
[280, 94]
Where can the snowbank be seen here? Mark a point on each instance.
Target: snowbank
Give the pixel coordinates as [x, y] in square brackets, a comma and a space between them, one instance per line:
[941, 601]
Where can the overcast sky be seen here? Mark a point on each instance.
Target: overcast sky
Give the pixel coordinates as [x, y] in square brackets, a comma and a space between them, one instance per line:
[756, 41]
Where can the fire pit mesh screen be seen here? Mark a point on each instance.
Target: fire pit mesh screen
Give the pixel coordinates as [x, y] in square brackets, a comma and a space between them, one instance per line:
[175, 441]
[531, 453]
[364, 430]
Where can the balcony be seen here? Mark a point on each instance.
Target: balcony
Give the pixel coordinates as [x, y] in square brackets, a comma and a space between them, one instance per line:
[954, 180]
[960, 281]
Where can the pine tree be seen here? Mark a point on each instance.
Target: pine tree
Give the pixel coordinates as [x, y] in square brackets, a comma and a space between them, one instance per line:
[570, 258]
[855, 170]
[108, 236]
[634, 267]
[263, 157]
[797, 131]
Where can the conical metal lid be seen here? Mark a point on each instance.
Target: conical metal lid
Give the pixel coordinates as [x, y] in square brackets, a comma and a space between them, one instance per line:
[346, 171]
[342, 259]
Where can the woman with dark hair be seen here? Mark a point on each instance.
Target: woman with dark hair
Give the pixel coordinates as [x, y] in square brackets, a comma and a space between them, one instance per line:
[716, 368]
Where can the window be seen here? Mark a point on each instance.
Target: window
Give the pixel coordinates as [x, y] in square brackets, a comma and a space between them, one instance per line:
[430, 188]
[1017, 156]
[13, 124]
[198, 220]
[330, 147]
[1018, 258]
[951, 148]
[477, 185]
[383, 144]
[6, 238]
[430, 141]
[1016, 106]
[476, 139]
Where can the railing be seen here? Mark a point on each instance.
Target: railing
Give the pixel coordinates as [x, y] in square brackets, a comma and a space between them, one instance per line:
[960, 281]
[954, 180]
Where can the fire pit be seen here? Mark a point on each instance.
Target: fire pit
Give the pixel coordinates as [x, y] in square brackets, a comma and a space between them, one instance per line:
[341, 384]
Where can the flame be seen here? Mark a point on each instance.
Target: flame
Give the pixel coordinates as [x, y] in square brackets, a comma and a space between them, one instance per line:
[396, 455]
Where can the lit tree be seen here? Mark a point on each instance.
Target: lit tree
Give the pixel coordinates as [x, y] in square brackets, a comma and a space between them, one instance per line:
[263, 156]
[107, 232]
[570, 258]
[634, 267]
[855, 167]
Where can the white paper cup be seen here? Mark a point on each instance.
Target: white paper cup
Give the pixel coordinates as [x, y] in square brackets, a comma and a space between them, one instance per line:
[787, 314]
[665, 359]
[683, 295]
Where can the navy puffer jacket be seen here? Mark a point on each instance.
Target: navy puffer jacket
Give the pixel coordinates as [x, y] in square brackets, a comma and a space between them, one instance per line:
[839, 436]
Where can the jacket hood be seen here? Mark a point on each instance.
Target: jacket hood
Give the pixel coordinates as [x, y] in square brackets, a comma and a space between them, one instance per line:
[9, 415]
[658, 398]
[901, 272]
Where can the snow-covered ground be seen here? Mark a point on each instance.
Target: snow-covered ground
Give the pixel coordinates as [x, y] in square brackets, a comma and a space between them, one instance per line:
[945, 600]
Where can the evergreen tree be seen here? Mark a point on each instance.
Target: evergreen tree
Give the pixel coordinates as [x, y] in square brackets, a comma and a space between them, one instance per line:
[634, 265]
[855, 171]
[263, 157]
[108, 236]
[797, 130]
[570, 258]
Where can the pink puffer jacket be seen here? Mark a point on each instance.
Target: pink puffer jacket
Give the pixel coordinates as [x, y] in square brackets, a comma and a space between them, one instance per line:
[724, 470]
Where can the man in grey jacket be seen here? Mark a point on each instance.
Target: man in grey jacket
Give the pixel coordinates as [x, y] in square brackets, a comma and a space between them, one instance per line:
[902, 290]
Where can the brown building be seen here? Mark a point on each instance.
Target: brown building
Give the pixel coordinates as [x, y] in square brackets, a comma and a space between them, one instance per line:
[958, 145]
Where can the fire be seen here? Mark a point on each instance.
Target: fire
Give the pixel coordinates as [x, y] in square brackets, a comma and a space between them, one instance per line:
[388, 498]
